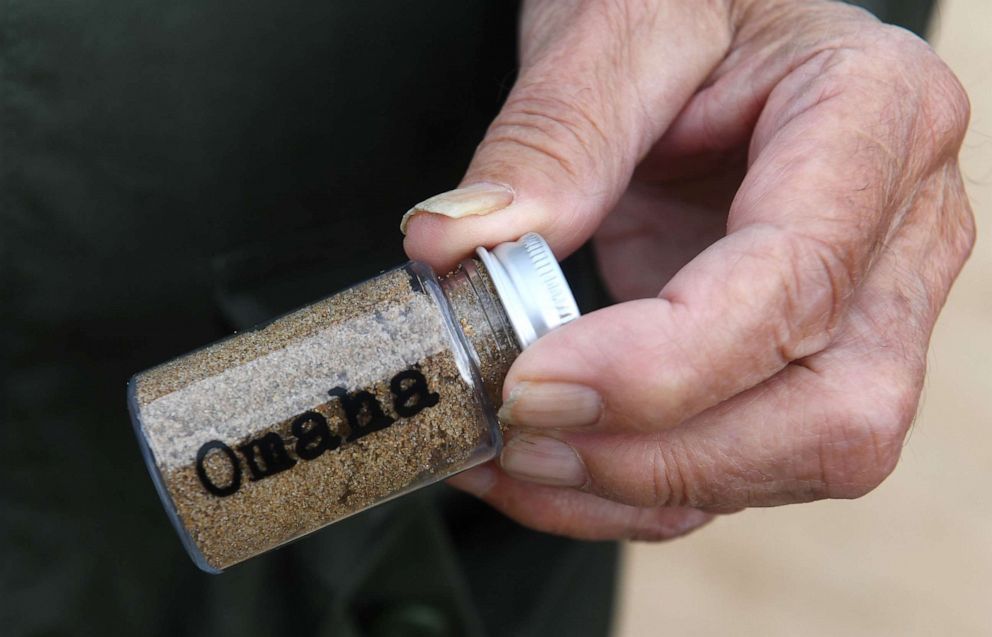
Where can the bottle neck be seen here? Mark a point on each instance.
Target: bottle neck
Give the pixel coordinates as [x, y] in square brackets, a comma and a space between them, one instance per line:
[487, 328]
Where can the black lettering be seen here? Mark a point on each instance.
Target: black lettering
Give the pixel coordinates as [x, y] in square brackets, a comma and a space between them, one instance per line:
[363, 411]
[272, 451]
[411, 394]
[201, 469]
[315, 439]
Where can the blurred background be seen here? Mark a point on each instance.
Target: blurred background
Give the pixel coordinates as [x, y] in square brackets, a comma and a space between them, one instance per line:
[915, 556]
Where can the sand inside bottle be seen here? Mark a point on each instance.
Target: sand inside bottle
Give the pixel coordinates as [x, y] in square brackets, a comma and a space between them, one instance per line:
[260, 381]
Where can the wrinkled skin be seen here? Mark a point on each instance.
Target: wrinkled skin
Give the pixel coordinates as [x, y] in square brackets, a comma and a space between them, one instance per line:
[785, 173]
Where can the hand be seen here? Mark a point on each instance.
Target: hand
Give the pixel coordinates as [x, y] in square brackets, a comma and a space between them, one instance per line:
[785, 173]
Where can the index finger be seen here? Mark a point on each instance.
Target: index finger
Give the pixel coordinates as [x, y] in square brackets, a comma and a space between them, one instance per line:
[837, 154]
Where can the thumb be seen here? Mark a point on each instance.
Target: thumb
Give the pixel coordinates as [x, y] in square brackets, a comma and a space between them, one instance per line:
[598, 86]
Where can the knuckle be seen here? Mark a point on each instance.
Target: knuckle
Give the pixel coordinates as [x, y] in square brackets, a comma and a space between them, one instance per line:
[674, 483]
[966, 230]
[861, 440]
[816, 286]
[898, 76]
[547, 121]
[949, 107]
[941, 103]
[564, 134]
[955, 218]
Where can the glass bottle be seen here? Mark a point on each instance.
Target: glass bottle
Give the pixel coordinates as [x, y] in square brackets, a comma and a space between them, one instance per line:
[381, 389]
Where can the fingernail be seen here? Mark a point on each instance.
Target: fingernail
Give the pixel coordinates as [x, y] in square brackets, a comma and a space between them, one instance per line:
[545, 404]
[476, 481]
[475, 199]
[544, 460]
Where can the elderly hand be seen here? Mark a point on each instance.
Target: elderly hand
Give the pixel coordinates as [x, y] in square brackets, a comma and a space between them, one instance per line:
[785, 173]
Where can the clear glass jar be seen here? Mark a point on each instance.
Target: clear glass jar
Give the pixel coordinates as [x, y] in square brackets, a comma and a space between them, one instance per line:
[383, 388]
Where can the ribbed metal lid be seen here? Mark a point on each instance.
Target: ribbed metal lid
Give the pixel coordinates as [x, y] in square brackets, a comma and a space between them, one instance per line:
[531, 286]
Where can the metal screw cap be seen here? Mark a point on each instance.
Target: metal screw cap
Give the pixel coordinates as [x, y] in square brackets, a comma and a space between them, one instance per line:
[531, 286]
